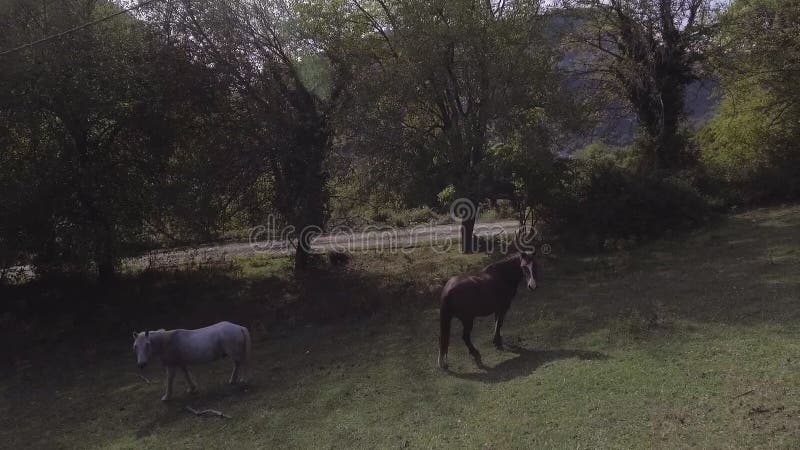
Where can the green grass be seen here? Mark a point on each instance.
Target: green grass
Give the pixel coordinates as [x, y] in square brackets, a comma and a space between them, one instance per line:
[685, 342]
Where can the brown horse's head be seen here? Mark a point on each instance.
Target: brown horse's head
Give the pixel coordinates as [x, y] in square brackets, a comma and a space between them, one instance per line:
[529, 269]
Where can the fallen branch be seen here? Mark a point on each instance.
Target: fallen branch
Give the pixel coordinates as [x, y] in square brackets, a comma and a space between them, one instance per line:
[745, 393]
[213, 412]
[144, 378]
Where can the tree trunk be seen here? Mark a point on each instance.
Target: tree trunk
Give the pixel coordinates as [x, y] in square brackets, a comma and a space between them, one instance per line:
[106, 267]
[105, 254]
[302, 254]
[304, 180]
[301, 257]
[311, 198]
[467, 235]
[106, 271]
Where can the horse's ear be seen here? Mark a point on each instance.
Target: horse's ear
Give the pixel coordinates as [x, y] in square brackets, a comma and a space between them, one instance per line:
[135, 335]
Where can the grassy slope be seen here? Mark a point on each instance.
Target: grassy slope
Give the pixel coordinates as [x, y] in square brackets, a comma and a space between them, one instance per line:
[691, 341]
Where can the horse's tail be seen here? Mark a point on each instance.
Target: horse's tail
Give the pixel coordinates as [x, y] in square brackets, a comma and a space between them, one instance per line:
[445, 318]
[247, 344]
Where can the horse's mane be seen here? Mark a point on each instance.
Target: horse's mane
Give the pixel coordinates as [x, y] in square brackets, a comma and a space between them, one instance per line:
[502, 264]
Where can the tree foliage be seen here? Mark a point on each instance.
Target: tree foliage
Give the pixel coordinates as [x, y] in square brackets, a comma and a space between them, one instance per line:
[751, 145]
[646, 53]
[84, 139]
[453, 78]
[185, 118]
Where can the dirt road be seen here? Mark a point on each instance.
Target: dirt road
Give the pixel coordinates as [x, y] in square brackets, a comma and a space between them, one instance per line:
[388, 239]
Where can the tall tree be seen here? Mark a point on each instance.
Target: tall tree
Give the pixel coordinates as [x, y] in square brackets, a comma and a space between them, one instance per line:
[289, 82]
[461, 75]
[759, 47]
[752, 141]
[84, 138]
[646, 52]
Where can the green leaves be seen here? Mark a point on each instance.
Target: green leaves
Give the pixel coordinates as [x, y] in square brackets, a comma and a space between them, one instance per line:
[751, 145]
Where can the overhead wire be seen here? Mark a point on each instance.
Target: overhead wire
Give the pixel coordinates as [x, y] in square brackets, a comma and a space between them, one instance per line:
[77, 28]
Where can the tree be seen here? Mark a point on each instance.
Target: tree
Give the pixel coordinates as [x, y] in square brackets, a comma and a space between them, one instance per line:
[646, 52]
[84, 139]
[539, 179]
[457, 76]
[289, 83]
[751, 143]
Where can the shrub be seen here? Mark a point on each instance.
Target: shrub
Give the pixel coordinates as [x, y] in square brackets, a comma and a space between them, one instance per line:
[749, 152]
[608, 201]
[421, 215]
[380, 216]
[503, 210]
[447, 195]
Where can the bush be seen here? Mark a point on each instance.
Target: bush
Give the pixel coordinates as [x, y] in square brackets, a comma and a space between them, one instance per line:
[380, 216]
[503, 210]
[446, 196]
[421, 215]
[608, 201]
[749, 152]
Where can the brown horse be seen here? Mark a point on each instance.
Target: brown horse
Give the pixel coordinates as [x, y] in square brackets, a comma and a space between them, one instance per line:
[489, 292]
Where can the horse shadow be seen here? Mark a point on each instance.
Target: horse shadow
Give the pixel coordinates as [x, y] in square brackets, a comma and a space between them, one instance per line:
[525, 363]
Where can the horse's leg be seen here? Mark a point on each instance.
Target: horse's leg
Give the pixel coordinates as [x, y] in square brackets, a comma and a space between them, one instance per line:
[243, 372]
[235, 373]
[467, 340]
[444, 336]
[239, 368]
[192, 387]
[170, 379]
[498, 340]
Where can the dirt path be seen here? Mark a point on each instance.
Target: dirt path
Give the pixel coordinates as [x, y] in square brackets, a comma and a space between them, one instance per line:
[390, 239]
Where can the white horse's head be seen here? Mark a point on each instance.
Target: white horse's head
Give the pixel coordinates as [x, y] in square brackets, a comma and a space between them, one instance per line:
[142, 348]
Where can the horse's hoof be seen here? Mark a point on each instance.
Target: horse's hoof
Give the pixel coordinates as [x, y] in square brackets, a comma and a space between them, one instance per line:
[165, 398]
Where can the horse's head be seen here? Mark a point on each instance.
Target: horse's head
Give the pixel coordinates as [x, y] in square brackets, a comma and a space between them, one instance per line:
[142, 347]
[529, 269]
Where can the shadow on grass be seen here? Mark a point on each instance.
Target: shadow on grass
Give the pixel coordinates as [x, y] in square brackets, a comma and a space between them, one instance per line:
[164, 416]
[525, 363]
[738, 272]
[176, 409]
[98, 318]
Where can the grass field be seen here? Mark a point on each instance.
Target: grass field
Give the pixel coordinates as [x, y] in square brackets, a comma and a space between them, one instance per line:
[690, 341]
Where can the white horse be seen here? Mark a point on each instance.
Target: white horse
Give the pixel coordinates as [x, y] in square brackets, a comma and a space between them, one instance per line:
[179, 348]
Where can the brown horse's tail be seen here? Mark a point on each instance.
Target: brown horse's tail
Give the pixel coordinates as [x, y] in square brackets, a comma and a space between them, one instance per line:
[445, 318]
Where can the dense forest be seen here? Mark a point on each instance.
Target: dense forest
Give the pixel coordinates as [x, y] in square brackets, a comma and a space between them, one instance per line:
[126, 126]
